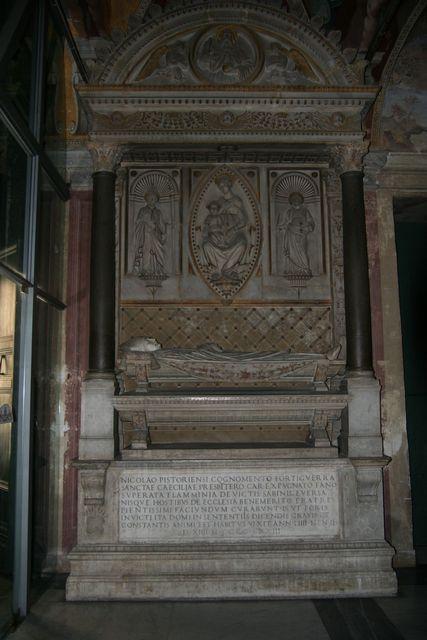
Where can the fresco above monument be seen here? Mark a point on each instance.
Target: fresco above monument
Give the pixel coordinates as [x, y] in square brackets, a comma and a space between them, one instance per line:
[225, 54]
[404, 116]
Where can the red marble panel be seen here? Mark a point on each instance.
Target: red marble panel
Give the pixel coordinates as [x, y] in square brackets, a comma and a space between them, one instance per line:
[77, 348]
[375, 283]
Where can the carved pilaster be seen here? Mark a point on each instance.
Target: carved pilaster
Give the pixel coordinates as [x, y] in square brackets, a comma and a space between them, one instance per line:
[349, 157]
[332, 182]
[332, 185]
[105, 157]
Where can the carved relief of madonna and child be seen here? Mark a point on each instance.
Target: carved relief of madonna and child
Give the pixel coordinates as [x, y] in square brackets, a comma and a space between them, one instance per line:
[225, 234]
[225, 237]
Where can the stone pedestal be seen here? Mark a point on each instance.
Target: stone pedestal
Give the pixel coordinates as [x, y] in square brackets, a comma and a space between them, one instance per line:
[97, 433]
[364, 426]
[230, 526]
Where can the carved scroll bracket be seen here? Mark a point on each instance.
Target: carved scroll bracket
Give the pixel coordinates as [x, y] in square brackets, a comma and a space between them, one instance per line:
[105, 157]
[349, 157]
[368, 477]
[93, 486]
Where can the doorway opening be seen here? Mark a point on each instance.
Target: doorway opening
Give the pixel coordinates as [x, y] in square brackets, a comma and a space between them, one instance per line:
[410, 215]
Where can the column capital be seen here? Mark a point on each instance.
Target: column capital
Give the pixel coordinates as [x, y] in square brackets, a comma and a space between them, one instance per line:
[105, 157]
[349, 157]
[374, 162]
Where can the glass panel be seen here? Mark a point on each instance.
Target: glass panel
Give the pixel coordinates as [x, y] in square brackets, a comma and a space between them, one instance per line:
[50, 240]
[13, 182]
[15, 76]
[48, 431]
[9, 317]
[60, 99]
[5, 7]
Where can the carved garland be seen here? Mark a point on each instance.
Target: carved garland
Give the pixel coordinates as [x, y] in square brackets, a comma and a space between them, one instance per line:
[227, 120]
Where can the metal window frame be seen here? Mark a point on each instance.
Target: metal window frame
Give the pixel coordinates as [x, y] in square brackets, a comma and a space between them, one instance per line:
[12, 30]
[60, 19]
[22, 532]
[28, 136]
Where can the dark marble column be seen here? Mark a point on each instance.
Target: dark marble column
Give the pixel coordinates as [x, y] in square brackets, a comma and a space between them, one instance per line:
[356, 275]
[102, 261]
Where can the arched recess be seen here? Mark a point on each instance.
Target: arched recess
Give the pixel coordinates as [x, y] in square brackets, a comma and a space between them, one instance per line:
[282, 49]
[400, 115]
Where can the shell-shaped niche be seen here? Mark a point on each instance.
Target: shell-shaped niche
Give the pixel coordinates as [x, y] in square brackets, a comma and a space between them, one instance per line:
[225, 232]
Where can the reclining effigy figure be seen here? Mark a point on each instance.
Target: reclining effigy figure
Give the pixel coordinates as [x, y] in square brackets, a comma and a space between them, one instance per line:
[145, 365]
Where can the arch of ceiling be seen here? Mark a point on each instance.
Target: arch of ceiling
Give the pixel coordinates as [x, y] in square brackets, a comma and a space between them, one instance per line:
[222, 43]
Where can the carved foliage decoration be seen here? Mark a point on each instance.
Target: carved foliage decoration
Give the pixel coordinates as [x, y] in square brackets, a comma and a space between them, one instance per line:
[225, 54]
[225, 232]
[296, 226]
[223, 120]
[153, 226]
[164, 44]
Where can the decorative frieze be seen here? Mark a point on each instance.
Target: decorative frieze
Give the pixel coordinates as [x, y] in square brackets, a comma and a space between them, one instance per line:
[225, 120]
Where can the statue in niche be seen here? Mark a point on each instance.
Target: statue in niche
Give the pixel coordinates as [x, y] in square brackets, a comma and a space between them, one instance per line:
[224, 244]
[226, 55]
[150, 239]
[296, 223]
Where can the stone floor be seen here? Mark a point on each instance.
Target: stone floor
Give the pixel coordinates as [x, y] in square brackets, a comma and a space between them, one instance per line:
[404, 617]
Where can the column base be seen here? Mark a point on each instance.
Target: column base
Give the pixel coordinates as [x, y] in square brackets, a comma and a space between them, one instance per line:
[97, 433]
[363, 437]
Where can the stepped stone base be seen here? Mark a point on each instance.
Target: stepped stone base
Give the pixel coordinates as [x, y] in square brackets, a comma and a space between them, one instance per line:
[230, 528]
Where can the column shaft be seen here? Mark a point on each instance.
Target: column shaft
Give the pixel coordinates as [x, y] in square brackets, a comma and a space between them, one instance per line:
[102, 274]
[356, 275]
